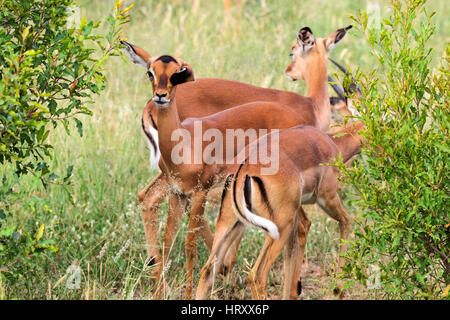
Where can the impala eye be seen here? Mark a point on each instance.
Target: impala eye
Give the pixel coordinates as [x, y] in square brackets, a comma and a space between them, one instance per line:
[150, 75]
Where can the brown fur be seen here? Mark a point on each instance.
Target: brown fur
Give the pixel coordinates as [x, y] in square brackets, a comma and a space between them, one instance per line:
[304, 153]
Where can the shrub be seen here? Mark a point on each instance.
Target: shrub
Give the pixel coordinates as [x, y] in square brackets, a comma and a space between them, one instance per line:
[403, 179]
[50, 70]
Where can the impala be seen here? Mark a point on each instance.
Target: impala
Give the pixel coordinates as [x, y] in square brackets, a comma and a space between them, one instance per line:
[198, 99]
[187, 181]
[273, 203]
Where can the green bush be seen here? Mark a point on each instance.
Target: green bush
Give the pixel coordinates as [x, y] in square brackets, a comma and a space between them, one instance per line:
[402, 238]
[50, 70]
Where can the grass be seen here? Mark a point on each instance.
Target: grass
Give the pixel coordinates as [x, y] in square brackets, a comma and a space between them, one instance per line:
[102, 232]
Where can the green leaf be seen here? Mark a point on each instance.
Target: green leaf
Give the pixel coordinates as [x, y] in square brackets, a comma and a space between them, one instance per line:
[79, 125]
[7, 232]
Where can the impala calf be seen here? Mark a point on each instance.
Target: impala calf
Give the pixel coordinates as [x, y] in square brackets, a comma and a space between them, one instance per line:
[339, 107]
[273, 203]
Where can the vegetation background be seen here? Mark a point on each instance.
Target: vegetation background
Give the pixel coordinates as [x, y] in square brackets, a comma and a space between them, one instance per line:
[102, 231]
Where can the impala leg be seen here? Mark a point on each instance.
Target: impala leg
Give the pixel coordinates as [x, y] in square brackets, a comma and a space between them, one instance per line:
[150, 199]
[177, 206]
[303, 226]
[230, 257]
[206, 233]
[290, 259]
[213, 197]
[174, 214]
[228, 228]
[269, 253]
[333, 207]
[194, 227]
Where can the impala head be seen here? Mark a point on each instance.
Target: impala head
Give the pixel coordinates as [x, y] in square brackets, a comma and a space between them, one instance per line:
[165, 72]
[309, 52]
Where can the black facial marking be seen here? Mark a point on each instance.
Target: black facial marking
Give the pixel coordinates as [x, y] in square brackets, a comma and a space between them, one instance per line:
[181, 76]
[166, 59]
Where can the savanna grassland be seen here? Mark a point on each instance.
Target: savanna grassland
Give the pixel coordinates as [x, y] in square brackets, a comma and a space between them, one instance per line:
[101, 231]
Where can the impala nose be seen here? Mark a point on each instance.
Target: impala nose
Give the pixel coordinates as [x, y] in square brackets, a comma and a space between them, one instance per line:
[161, 99]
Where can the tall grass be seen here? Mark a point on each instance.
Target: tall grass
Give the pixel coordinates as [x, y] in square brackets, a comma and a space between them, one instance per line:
[111, 159]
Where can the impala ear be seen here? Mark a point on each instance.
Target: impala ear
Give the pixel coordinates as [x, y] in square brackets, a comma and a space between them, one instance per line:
[185, 74]
[305, 39]
[138, 55]
[336, 37]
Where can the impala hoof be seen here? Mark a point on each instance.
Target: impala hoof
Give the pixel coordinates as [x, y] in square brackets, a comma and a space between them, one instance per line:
[299, 287]
[338, 292]
[151, 261]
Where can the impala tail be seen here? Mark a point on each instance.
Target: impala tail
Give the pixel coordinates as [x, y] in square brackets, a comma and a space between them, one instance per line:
[151, 135]
[249, 211]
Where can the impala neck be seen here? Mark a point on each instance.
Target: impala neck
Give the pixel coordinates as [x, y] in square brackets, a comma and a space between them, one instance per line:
[317, 88]
[168, 121]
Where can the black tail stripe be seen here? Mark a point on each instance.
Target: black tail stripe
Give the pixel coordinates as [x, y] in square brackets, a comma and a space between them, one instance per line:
[149, 137]
[234, 195]
[263, 191]
[234, 190]
[247, 192]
